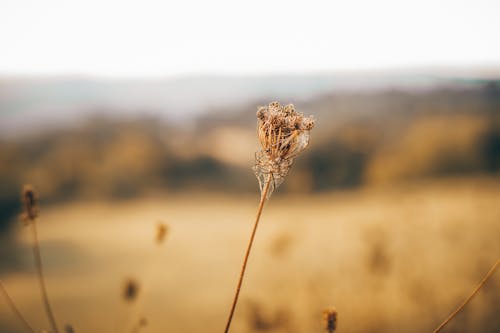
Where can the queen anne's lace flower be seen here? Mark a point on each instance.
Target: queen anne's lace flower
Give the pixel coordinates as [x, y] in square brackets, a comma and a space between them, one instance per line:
[283, 134]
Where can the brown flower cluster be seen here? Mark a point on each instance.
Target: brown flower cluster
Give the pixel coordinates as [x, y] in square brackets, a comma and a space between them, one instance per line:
[283, 134]
[330, 319]
[30, 201]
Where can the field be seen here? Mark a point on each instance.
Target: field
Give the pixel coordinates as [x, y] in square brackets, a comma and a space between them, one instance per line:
[378, 121]
[389, 259]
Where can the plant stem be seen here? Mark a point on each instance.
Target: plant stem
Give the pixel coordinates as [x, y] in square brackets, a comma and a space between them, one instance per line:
[263, 197]
[474, 292]
[39, 268]
[15, 309]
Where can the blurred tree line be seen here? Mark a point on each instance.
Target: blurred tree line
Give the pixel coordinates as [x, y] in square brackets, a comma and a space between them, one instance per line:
[361, 138]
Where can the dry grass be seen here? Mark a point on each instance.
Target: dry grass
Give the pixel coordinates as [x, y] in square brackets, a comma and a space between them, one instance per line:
[469, 298]
[391, 260]
[283, 134]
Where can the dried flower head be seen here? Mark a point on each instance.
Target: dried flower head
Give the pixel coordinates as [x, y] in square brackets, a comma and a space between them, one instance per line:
[130, 290]
[330, 319]
[161, 232]
[30, 201]
[283, 134]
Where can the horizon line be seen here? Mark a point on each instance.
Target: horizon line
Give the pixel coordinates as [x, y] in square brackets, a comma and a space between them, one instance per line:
[492, 69]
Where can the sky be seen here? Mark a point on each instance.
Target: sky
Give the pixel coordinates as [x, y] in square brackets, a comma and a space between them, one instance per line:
[166, 38]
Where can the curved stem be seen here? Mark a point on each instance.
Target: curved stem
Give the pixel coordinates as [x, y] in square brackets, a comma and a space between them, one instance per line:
[39, 269]
[467, 300]
[15, 309]
[263, 197]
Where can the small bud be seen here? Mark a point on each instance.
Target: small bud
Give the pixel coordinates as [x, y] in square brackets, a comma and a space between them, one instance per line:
[289, 109]
[130, 290]
[330, 319]
[261, 113]
[30, 201]
[161, 232]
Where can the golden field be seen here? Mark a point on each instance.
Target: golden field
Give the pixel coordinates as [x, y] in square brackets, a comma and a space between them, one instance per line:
[389, 259]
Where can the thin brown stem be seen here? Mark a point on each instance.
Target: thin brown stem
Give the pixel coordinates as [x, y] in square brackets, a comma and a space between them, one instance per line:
[263, 197]
[14, 308]
[39, 269]
[467, 300]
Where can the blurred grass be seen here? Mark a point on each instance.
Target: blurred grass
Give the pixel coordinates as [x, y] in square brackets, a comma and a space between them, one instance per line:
[391, 216]
[391, 259]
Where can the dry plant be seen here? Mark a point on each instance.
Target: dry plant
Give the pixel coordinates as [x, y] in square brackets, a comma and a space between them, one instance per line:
[330, 319]
[467, 300]
[283, 134]
[130, 290]
[161, 232]
[30, 215]
[30, 202]
[131, 287]
[14, 309]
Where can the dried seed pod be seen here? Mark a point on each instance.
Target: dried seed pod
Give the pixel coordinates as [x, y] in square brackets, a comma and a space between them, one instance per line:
[30, 201]
[283, 134]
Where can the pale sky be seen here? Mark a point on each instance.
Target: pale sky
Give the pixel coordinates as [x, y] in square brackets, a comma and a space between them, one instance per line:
[164, 38]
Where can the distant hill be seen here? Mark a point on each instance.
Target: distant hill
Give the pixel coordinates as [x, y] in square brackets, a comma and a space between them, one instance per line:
[360, 138]
[36, 103]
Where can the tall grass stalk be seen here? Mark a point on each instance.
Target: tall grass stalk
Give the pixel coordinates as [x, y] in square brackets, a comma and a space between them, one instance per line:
[14, 309]
[467, 300]
[247, 253]
[30, 201]
[41, 279]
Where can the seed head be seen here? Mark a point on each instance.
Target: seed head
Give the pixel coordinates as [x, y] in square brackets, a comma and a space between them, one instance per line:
[330, 319]
[30, 201]
[130, 290]
[283, 134]
[161, 232]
